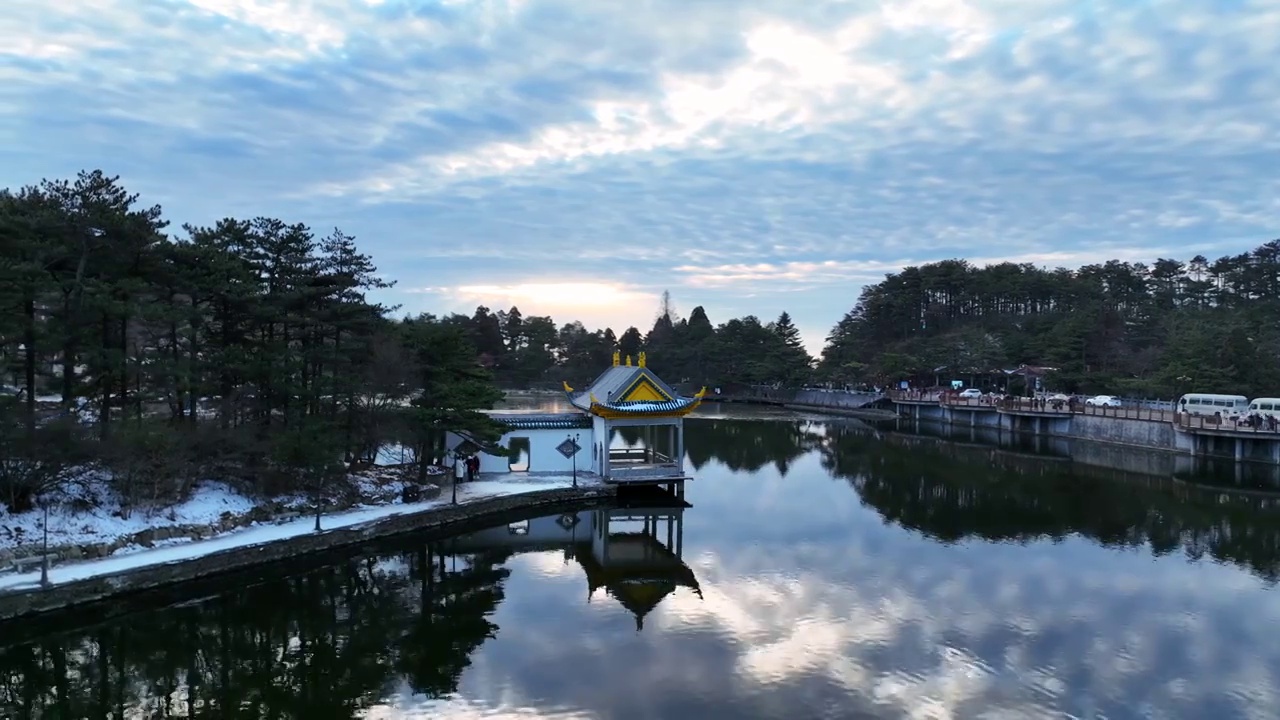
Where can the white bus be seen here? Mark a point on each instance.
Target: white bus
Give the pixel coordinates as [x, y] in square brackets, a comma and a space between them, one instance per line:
[1265, 406]
[1210, 404]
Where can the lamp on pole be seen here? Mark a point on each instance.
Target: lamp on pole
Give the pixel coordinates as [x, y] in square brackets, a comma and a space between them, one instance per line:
[44, 557]
[575, 460]
[453, 474]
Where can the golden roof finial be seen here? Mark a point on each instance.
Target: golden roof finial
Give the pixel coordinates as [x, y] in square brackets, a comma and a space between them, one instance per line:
[628, 361]
[594, 401]
[566, 386]
[642, 359]
[617, 358]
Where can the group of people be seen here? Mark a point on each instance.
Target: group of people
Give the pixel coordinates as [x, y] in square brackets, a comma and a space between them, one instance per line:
[466, 467]
[1258, 421]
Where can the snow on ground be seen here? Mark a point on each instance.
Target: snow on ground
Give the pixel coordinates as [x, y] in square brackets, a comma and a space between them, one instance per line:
[494, 486]
[104, 521]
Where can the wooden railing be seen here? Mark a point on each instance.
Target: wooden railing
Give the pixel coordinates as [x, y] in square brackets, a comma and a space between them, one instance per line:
[645, 472]
[637, 456]
[915, 395]
[1027, 405]
[1187, 421]
[1033, 405]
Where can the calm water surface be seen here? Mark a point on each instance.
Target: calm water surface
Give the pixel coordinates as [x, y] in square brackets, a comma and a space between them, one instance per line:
[827, 571]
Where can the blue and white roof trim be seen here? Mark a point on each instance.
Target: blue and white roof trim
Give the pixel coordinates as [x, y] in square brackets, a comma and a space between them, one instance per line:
[543, 421]
[643, 406]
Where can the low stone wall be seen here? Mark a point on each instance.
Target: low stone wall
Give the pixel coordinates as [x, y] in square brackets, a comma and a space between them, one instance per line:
[434, 519]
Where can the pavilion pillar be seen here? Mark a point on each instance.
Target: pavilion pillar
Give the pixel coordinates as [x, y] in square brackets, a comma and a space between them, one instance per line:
[679, 443]
[606, 442]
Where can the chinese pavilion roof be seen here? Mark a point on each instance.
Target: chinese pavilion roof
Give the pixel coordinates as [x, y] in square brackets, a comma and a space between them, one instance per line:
[639, 586]
[632, 391]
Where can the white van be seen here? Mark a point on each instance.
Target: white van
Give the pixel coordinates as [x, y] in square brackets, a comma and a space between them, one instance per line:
[1210, 404]
[1265, 406]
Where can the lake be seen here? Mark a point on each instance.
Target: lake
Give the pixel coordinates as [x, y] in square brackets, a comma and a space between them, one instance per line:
[826, 570]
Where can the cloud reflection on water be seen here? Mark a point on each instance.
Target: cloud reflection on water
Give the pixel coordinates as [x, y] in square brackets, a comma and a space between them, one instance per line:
[813, 606]
[842, 576]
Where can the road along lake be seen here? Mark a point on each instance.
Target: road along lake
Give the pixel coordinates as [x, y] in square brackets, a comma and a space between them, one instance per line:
[824, 569]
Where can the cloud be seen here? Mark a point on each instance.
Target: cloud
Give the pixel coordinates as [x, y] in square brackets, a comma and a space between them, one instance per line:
[806, 275]
[791, 151]
[595, 304]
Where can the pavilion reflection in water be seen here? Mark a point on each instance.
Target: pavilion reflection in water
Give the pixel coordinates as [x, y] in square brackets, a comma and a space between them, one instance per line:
[634, 554]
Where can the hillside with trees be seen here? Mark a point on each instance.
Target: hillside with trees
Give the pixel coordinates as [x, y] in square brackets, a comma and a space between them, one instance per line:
[1157, 330]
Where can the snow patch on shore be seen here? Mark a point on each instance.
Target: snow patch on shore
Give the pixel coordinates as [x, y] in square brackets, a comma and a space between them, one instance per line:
[215, 498]
[91, 513]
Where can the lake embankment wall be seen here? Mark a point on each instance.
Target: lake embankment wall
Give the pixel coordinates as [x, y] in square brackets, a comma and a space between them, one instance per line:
[1156, 431]
[1132, 432]
[1123, 431]
[430, 520]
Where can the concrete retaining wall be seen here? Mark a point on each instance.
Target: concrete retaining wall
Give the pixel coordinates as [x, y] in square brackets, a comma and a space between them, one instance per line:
[448, 518]
[1123, 431]
[1095, 428]
[836, 400]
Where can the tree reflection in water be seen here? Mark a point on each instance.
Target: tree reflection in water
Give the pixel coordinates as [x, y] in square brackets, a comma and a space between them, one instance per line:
[953, 492]
[748, 445]
[324, 644]
[328, 643]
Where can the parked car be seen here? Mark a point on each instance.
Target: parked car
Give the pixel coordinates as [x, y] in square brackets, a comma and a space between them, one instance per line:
[970, 393]
[1058, 397]
[1103, 401]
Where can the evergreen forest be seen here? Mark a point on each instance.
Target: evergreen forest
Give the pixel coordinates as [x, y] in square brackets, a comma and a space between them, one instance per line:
[1131, 329]
[256, 347]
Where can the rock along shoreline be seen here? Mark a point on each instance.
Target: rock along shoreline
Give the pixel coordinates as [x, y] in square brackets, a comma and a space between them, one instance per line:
[434, 520]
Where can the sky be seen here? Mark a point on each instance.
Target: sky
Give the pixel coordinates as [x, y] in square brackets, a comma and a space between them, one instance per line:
[576, 158]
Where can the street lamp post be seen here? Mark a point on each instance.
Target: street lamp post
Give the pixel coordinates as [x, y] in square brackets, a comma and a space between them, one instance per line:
[575, 460]
[453, 475]
[44, 558]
